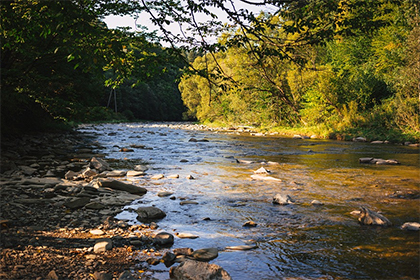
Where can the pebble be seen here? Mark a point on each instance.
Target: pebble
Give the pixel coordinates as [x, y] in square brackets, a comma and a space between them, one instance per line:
[96, 232]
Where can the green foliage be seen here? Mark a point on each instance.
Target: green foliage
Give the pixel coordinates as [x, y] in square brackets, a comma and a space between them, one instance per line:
[362, 76]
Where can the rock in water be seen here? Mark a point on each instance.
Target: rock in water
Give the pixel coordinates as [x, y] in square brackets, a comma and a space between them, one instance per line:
[282, 199]
[265, 178]
[242, 247]
[186, 235]
[164, 239]
[369, 217]
[194, 270]
[145, 214]
[206, 254]
[411, 226]
[262, 170]
[117, 185]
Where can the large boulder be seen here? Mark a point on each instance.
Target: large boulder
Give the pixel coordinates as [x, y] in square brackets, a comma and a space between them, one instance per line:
[195, 270]
[369, 217]
[145, 214]
[121, 186]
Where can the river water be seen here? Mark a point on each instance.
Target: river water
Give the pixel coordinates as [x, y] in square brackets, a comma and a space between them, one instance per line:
[295, 241]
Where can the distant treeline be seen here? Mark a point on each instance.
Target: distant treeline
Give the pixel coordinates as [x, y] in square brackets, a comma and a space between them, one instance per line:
[336, 68]
[364, 79]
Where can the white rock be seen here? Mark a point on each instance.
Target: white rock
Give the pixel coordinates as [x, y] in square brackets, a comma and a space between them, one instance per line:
[186, 235]
[157, 177]
[316, 202]
[265, 178]
[262, 170]
[133, 173]
[103, 246]
[96, 232]
[242, 247]
[411, 226]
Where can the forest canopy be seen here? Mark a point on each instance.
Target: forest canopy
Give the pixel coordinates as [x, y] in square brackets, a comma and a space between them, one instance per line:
[332, 67]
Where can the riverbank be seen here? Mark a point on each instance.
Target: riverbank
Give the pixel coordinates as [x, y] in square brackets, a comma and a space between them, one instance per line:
[58, 223]
[393, 136]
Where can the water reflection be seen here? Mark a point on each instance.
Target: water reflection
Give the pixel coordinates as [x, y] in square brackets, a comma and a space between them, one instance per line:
[299, 241]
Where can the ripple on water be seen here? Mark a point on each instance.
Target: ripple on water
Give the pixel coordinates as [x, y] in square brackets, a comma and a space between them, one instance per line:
[299, 241]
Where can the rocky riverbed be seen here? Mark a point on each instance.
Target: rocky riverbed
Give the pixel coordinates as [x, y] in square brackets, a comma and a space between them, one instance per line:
[248, 201]
[58, 200]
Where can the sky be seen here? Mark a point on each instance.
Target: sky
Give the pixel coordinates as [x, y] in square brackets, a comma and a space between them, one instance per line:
[144, 19]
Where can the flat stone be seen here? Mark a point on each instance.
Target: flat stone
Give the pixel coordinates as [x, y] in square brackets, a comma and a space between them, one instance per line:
[157, 177]
[41, 181]
[33, 201]
[126, 150]
[165, 193]
[116, 173]
[185, 202]
[242, 247]
[103, 246]
[27, 170]
[95, 205]
[134, 173]
[77, 202]
[173, 176]
[186, 235]
[117, 185]
[206, 254]
[264, 178]
[411, 226]
[96, 232]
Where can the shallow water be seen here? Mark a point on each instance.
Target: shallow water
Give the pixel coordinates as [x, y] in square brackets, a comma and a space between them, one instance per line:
[297, 241]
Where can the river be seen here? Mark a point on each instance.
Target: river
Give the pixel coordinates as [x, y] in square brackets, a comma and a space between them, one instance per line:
[295, 241]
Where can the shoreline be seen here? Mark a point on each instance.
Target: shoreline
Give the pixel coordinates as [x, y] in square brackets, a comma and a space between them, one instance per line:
[43, 237]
